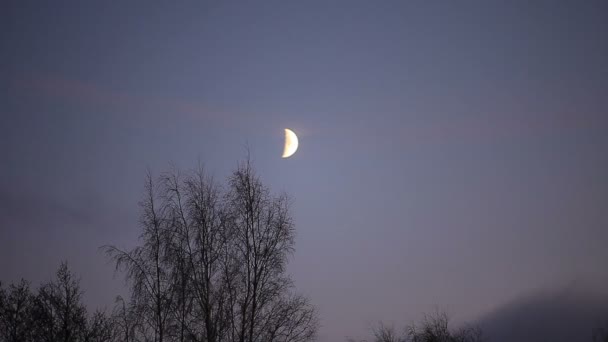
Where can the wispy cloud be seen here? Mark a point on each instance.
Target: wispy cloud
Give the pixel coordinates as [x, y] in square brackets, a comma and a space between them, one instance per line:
[89, 94]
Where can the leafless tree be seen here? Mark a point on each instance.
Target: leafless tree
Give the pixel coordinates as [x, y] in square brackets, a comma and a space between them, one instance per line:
[58, 312]
[15, 312]
[212, 264]
[198, 243]
[289, 319]
[262, 238]
[100, 328]
[386, 333]
[125, 321]
[148, 266]
[434, 328]
[382, 333]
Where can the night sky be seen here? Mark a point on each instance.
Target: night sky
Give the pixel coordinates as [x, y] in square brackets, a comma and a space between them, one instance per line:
[453, 154]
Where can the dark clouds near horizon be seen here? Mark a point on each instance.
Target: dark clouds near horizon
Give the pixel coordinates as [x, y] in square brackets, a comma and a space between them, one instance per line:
[453, 154]
[563, 315]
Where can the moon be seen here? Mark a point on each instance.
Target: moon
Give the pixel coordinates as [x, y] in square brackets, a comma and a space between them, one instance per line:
[291, 143]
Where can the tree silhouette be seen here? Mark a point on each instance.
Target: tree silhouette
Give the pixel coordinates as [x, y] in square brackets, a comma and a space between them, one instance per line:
[16, 312]
[58, 312]
[211, 264]
[100, 328]
[435, 328]
[148, 266]
[198, 243]
[210, 267]
[432, 328]
[125, 321]
[262, 234]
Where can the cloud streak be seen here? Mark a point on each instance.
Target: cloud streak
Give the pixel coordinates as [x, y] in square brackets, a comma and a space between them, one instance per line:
[89, 94]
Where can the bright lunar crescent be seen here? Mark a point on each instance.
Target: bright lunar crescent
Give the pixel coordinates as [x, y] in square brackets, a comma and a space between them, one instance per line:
[291, 143]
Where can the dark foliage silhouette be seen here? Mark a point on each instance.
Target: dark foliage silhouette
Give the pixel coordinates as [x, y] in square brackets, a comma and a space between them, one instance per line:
[55, 313]
[16, 312]
[210, 266]
[58, 312]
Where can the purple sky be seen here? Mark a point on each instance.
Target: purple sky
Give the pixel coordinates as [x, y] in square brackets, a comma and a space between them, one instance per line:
[453, 155]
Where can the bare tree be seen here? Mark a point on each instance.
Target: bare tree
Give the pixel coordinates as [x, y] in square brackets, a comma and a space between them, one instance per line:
[386, 333]
[198, 243]
[434, 328]
[147, 266]
[212, 263]
[262, 238]
[58, 312]
[125, 321]
[15, 312]
[100, 328]
[290, 319]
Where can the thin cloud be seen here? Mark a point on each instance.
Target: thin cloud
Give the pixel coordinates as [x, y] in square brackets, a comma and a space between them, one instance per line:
[88, 94]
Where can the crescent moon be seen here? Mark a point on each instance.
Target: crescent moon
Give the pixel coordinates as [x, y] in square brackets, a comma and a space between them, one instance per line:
[291, 143]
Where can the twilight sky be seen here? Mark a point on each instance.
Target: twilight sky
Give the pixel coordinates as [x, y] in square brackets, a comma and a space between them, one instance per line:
[453, 155]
